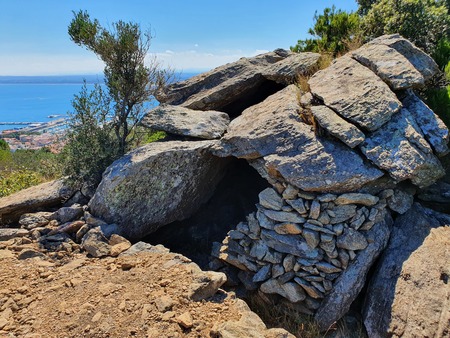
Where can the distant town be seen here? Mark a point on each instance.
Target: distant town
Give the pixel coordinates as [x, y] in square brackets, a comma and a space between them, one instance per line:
[36, 135]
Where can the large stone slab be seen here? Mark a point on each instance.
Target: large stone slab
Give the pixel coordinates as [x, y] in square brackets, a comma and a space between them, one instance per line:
[400, 148]
[187, 122]
[286, 71]
[232, 82]
[420, 60]
[39, 197]
[279, 145]
[272, 126]
[391, 66]
[408, 294]
[337, 126]
[432, 127]
[356, 93]
[155, 185]
[348, 285]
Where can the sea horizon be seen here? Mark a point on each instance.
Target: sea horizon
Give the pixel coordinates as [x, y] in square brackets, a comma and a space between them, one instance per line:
[28, 99]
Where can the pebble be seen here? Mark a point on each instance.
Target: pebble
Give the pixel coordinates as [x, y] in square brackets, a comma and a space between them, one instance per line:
[314, 210]
[185, 320]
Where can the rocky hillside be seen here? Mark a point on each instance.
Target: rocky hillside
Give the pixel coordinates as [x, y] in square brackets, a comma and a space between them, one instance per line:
[341, 164]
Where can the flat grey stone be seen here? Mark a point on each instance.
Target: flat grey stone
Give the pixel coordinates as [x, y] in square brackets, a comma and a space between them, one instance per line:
[327, 268]
[297, 205]
[351, 240]
[337, 126]
[10, 233]
[432, 127]
[421, 61]
[400, 148]
[312, 238]
[309, 289]
[272, 136]
[263, 274]
[391, 66]
[187, 122]
[283, 216]
[355, 93]
[357, 198]
[270, 199]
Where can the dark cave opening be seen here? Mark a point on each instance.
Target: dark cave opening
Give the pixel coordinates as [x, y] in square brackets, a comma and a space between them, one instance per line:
[234, 198]
[251, 97]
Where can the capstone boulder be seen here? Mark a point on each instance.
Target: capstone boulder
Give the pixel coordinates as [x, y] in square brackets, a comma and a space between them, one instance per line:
[356, 93]
[155, 185]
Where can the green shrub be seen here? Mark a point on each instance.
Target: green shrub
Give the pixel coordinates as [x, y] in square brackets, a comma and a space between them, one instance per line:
[439, 101]
[91, 145]
[441, 55]
[11, 182]
[334, 32]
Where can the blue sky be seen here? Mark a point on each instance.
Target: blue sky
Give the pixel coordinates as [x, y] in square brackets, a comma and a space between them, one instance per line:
[189, 35]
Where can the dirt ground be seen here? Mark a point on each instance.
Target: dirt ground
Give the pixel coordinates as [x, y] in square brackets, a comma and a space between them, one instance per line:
[143, 295]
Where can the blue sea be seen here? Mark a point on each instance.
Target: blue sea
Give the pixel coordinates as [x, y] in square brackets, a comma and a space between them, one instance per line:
[36, 98]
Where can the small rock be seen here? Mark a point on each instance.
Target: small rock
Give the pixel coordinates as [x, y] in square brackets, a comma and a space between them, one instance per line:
[356, 198]
[317, 228]
[270, 199]
[289, 263]
[314, 210]
[326, 198]
[116, 239]
[288, 229]
[185, 320]
[68, 214]
[263, 274]
[312, 238]
[342, 213]
[283, 216]
[10, 233]
[81, 232]
[290, 192]
[30, 253]
[33, 220]
[297, 205]
[264, 221]
[351, 240]
[117, 249]
[96, 317]
[400, 201]
[164, 303]
[95, 243]
[309, 289]
[327, 268]
[306, 195]
[206, 285]
[293, 292]
[277, 270]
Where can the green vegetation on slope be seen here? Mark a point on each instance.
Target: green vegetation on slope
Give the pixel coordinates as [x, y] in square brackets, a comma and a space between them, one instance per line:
[24, 168]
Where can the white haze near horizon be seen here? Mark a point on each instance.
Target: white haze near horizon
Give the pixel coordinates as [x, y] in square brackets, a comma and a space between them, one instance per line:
[60, 64]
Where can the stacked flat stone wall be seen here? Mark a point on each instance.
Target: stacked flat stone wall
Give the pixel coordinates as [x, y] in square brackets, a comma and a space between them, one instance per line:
[298, 243]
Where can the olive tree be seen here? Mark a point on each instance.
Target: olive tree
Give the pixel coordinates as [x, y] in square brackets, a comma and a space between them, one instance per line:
[131, 79]
[103, 125]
